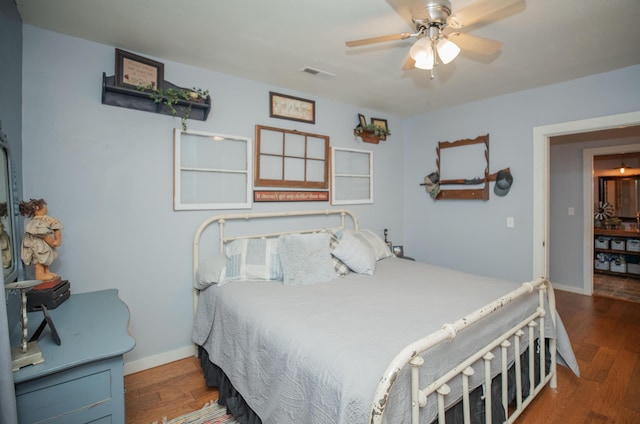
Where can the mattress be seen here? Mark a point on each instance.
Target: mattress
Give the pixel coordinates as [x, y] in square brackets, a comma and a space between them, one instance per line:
[315, 353]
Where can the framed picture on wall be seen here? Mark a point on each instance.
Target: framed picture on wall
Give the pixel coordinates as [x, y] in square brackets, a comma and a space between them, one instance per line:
[362, 121]
[133, 71]
[293, 108]
[380, 123]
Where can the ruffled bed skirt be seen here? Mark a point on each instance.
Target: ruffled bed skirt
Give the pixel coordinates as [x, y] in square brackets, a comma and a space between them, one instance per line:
[228, 395]
[237, 406]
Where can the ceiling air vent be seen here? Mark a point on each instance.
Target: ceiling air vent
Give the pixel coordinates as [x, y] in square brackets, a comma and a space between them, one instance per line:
[317, 72]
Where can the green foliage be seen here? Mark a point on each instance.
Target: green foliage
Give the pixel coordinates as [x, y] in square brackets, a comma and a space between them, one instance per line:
[171, 96]
[377, 131]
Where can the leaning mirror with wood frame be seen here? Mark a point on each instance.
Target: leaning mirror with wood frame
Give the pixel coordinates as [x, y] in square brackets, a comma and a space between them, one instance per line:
[9, 243]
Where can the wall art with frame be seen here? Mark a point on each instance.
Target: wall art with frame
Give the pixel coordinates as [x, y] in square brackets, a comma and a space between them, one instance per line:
[292, 108]
[133, 71]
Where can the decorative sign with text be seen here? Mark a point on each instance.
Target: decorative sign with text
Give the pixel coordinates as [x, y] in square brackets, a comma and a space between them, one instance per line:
[290, 196]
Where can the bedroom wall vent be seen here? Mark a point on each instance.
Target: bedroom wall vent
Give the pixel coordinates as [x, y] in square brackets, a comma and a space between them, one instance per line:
[318, 72]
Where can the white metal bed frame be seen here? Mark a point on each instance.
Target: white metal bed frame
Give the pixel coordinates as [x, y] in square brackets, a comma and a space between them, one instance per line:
[411, 354]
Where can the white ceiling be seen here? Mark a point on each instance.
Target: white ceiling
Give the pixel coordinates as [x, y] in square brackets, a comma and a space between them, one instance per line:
[545, 41]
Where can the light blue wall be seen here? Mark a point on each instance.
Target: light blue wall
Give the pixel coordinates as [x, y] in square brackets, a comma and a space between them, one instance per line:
[106, 173]
[471, 235]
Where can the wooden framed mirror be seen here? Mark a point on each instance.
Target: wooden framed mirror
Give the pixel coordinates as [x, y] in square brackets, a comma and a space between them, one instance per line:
[623, 193]
[466, 170]
[9, 242]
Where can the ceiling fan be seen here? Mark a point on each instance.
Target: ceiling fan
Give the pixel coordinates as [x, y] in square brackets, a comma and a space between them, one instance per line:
[437, 30]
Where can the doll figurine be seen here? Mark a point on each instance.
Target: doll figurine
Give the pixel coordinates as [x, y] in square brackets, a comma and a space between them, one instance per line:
[41, 238]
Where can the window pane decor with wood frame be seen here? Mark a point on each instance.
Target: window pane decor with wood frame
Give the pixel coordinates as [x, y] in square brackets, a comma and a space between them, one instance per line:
[291, 158]
[211, 171]
[351, 176]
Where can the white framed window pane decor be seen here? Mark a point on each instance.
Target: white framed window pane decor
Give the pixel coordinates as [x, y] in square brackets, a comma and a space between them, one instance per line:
[351, 176]
[211, 171]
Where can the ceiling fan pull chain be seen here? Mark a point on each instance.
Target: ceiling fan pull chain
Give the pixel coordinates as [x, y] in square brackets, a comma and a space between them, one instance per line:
[435, 55]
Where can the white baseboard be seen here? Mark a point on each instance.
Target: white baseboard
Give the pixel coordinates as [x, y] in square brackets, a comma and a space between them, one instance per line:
[568, 288]
[159, 359]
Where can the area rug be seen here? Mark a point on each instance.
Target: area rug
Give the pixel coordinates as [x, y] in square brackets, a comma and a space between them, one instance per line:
[620, 288]
[211, 413]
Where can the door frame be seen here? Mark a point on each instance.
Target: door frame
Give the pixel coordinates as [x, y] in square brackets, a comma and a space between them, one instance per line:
[588, 187]
[541, 148]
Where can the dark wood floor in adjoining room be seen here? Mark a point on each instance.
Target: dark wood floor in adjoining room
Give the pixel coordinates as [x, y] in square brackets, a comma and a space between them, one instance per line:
[604, 332]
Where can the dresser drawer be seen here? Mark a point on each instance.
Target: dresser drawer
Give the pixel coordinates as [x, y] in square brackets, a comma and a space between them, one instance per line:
[79, 395]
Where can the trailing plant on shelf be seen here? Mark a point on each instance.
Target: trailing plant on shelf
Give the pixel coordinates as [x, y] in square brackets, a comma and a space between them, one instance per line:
[171, 96]
[377, 131]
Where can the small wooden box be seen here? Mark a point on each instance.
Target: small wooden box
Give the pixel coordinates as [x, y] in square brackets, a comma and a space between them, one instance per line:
[633, 268]
[618, 244]
[602, 243]
[618, 266]
[601, 265]
[633, 245]
[50, 294]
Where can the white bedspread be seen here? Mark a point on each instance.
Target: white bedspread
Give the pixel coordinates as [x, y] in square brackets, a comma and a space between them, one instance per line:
[314, 354]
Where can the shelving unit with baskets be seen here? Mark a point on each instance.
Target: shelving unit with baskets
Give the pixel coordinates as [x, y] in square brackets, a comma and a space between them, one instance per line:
[617, 252]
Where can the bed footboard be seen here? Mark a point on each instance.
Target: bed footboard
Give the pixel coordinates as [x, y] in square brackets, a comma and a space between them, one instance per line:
[525, 339]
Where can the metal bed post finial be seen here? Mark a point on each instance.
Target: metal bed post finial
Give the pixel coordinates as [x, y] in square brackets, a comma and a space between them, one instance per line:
[221, 222]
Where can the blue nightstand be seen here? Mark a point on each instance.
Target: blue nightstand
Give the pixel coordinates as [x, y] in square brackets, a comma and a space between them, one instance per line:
[82, 380]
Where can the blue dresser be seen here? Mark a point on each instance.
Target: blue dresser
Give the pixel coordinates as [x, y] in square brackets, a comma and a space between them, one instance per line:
[82, 380]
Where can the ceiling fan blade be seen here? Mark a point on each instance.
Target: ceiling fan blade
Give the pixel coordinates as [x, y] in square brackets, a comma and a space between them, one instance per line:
[475, 43]
[409, 64]
[380, 39]
[477, 11]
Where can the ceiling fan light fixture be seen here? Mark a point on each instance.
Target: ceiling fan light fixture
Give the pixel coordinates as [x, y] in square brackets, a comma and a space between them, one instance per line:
[421, 49]
[422, 53]
[425, 63]
[447, 50]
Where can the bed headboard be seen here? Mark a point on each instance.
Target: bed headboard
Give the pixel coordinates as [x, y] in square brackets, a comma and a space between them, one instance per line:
[339, 214]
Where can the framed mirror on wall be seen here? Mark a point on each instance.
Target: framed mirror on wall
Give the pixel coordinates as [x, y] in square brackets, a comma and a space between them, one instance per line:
[623, 193]
[9, 242]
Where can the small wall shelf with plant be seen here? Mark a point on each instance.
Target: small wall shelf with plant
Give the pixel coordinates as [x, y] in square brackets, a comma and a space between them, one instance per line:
[171, 100]
[372, 133]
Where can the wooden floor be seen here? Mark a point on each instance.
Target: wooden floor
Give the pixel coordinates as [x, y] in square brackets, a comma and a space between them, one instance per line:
[168, 391]
[605, 334]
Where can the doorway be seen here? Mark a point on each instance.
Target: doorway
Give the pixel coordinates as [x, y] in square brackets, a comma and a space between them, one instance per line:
[602, 165]
[541, 177]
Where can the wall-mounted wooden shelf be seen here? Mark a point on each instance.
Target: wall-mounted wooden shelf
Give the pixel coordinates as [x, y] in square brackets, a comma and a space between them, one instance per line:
[368, 136]
[139, 100]
[631, 258]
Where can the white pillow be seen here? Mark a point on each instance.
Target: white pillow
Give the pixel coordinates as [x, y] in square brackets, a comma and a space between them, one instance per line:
[306, 258]
[378, 245]
[253, 259]
[341, 267]
[357, 254]
[211, 271]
